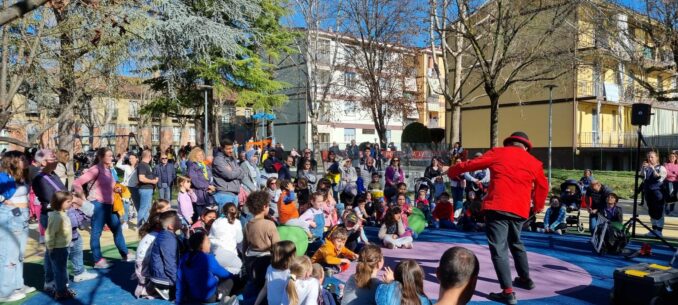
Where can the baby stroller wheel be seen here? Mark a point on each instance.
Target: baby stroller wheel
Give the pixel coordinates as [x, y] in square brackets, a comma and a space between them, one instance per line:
[580, 227]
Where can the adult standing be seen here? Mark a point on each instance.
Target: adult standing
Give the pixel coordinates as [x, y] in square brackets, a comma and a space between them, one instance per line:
[200, 180]
[366, 171]
[477, 180]
[335, 149]
[595, 198]
[250, 180]
[671, 182]
[306, 171]
[308, 156]
[653, 175]
[14, 225]
[147, 182]
[519, 179]
[457, 151]
[167, 174]
[62, 167]
[394, 174]
[130, 179]
[227, 175]
[434, 172]
[101, 196]
[353, 152]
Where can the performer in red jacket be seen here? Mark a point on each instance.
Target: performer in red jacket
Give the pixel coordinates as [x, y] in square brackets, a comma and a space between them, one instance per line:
[515, 175]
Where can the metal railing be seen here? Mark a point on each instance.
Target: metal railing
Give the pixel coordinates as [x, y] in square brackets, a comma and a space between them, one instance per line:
[625, 140]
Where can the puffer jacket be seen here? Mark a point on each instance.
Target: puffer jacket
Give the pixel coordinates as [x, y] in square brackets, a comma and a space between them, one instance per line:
[164, 259]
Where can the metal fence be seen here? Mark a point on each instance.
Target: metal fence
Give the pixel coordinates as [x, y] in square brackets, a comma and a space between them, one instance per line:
[625, 140]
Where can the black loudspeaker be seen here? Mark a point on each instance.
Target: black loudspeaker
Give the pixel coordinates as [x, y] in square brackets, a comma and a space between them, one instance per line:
[640, 114]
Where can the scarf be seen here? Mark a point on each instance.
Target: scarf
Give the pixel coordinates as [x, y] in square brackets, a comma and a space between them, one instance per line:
[203, 168]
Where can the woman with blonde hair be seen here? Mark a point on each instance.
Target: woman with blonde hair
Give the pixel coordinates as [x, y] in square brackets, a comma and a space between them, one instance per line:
[302, 288]
[361, 287]
[200, 180]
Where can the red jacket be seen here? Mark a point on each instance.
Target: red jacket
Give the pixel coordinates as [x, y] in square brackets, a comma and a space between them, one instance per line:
[514, 173]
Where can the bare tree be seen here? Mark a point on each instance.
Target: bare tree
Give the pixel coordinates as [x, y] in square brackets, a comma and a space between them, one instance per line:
[381, 30]
[515, 42]
[452, 75]
[318, 50]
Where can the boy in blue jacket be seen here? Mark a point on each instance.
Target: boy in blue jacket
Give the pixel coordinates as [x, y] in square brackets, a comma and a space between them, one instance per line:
[164, 256]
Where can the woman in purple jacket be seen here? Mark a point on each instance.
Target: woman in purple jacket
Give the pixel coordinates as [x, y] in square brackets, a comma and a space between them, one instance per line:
[201, 178]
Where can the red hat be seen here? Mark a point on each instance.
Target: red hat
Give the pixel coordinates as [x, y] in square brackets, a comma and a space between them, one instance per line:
[521, 137]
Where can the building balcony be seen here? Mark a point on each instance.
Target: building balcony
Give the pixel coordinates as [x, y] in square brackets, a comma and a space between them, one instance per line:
[625, 140]
[433, 103]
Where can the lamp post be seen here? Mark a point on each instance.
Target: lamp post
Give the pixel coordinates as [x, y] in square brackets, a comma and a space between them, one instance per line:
[550, 87]
[206, 137]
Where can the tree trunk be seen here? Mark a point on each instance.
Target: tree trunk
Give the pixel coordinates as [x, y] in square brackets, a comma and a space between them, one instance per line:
[456, 123]
[494, 121]
[381, 132]
[66, 74]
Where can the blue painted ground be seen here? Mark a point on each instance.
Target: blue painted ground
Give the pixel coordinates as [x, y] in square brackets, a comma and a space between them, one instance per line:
[114, 286]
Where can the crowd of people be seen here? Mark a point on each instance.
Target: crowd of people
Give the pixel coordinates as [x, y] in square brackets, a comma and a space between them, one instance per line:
[218, 236]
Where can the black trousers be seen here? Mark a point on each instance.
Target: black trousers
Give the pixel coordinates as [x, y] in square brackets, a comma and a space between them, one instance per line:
[503, 235]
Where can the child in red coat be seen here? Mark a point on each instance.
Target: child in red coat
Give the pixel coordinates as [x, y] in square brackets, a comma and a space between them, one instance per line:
[443, 214]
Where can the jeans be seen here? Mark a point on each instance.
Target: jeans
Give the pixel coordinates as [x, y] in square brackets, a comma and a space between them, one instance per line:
[340, 209]
[134, 191]
[222, 198]
[47, 264]
[76, 257]
[125, 206]
[58, 257]
[145, 198]
[103, 214]
[503, 235]
[445, 224]
[593, 222]
[13, 235]
[165, 193]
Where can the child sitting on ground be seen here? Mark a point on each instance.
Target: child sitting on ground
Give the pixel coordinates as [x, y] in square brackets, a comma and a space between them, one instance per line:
[333, 255]
[226, 236]
[327, 297]
[186, 199]
[554, 219]
[205, 221]
[423, 204]
[163, 261]
[278, 272]
[360, 207]
[201, 278]
[260, 235]
[287, 208]
[302, 289]
[392, 231]
[408, 287]
[443, 214]
[371, 208]
[314, 216]
[58, 236]
[303, 194]
[375, 184]
[471, 216]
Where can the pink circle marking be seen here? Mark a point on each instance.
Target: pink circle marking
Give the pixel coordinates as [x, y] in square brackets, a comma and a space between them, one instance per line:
[552, 276]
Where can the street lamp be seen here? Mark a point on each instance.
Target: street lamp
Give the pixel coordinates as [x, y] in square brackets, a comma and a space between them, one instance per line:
[206, 137]
[550, 87]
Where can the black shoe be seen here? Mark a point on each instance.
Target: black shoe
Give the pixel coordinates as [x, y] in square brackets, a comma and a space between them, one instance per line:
[524, 284]
[506, 298]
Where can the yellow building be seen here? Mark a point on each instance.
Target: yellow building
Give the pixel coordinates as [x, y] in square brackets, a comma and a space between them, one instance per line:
[591, 105]
[430, 101]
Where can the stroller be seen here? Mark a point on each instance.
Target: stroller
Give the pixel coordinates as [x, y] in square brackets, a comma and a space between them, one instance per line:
[422, 182]
[570, 197]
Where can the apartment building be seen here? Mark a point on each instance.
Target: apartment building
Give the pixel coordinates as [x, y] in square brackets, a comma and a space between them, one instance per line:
[592, 103]
[104, 122]
[430, 101]
[343, 119]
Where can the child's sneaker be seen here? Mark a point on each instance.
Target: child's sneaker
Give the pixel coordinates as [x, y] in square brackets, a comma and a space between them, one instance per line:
[102, 264]
[26, 289]
[15, 296]
[85, 276]
[559, 232]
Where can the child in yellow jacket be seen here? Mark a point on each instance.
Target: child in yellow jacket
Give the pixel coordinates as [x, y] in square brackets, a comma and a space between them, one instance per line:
[334, 255]
[120, 194]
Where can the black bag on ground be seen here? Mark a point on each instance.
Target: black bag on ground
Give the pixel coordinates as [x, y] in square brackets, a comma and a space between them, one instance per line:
[645, 284]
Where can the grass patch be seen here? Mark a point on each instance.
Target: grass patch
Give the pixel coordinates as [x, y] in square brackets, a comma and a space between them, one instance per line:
[621, 182]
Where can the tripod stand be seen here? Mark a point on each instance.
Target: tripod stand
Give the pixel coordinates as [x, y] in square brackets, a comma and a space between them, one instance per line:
[636, 192]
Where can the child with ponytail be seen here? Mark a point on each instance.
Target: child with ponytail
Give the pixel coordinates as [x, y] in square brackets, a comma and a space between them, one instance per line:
[302, 288]
[361, 287]
[226, 237]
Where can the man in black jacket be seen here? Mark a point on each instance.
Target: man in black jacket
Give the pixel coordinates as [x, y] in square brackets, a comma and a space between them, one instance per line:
[270, 166]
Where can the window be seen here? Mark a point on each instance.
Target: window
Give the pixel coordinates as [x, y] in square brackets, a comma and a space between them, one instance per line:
[133, 129]
[4, 145]
[368, 131]
[110, 129]
[350, 80]
[31, 107]
[176, 134]
[324, 51]
[349, 134]
[112, 106]
[155, 134]
[648, 52]
[191, 135]
[133, 109]
[228, 114]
